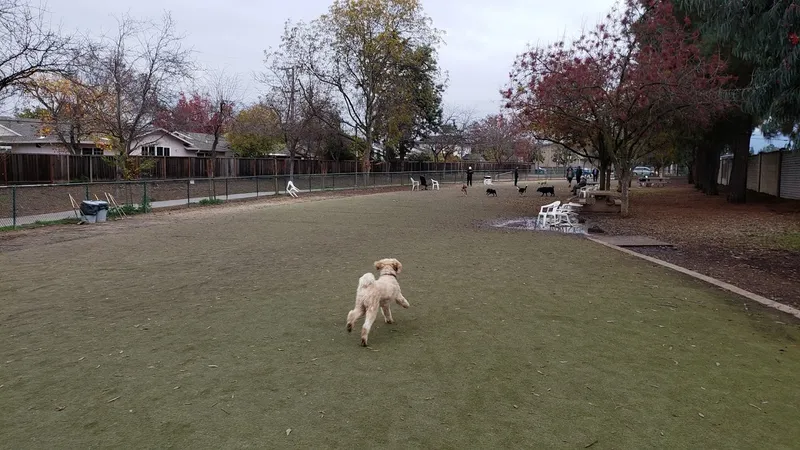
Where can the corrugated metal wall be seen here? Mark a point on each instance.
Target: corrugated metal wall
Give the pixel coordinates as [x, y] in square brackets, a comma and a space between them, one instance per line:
[774, 173]
[725, 165]
[769, 175]
[790, 175]
[752, 173]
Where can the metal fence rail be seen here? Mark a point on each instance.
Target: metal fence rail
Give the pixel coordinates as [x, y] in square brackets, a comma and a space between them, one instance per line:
[26, 205]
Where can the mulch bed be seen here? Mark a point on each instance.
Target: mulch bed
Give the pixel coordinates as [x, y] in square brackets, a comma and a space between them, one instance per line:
[744, 245]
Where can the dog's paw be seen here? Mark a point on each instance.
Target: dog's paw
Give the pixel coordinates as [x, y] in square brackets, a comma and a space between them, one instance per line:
[349, 327]
[363, 342]
[389, 321]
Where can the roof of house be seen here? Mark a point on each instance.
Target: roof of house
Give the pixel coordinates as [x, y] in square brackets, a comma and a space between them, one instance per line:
[201, 142]
[24, 131]
[29, 131]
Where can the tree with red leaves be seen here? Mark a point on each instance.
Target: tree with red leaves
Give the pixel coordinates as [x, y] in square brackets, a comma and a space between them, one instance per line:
[210, 113]
[617, 87]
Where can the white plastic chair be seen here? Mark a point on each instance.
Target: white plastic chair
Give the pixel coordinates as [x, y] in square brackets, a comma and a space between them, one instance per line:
[583, 192]
[414, 184]
[547, 214]
[291, 189]
[435, 184]
[565, 217]
[487, 180]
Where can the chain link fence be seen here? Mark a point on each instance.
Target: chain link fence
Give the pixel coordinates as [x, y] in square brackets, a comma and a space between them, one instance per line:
[26, 205]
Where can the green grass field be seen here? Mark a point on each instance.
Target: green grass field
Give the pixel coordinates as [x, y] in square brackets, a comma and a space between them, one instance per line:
[225, 328]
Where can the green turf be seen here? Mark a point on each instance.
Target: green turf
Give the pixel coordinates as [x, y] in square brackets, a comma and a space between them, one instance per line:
[227, 331]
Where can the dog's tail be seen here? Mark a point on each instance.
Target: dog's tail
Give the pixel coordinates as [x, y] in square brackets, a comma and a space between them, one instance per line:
[366, 280]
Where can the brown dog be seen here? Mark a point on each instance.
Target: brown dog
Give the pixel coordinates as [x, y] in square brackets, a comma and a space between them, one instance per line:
[464, 189]
[376, 293]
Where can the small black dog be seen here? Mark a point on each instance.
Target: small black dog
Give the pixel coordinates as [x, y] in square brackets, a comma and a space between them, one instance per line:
[490, 191]
[547, 190]
[522, 189]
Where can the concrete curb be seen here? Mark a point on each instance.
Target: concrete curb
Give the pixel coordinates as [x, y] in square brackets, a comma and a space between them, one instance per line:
[720, 284]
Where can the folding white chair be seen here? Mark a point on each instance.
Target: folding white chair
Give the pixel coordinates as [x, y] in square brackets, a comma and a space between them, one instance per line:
[414, 184]
[435, 184]
[291, 189]
[565, 217]
[546, 214]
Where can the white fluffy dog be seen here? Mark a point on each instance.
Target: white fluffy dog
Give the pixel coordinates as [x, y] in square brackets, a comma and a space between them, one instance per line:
[376, 293]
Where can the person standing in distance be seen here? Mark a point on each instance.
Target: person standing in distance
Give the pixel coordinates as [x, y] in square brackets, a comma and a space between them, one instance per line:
[469, 176]
[516, 175]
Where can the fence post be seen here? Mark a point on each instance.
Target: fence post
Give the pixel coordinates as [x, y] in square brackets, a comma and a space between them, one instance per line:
[256, 186]
[144, 197]
[14, 206]
[309, 182]
[86, 192]
[188, 193]
[226, 188]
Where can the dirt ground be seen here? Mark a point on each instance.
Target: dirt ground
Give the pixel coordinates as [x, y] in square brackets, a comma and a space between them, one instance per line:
[223, 327]
[755, 246]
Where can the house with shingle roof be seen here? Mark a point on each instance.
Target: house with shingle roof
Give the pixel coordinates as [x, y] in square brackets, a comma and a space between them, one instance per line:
[31, 136]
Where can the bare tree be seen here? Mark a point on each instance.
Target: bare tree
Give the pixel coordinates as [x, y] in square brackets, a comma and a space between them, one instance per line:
[225, 94]
[301, 103]
[131, 75]
[28, 45]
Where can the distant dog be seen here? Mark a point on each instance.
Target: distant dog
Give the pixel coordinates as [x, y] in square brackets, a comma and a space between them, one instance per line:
[547, 190]
[372, 294]
[490, 191]
[522, 189]
[464, 189]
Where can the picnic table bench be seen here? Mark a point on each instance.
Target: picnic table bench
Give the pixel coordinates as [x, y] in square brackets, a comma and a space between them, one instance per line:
[648, 181]
[612, 203]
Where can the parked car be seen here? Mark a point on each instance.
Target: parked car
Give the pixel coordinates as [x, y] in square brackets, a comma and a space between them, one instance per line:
[540, 171]
[642, 171]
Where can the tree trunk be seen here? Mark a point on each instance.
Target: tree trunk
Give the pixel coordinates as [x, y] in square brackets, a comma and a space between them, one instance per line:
[741, 128]
[625, 182]
[712, 168]
[604, 176]
[699, 166]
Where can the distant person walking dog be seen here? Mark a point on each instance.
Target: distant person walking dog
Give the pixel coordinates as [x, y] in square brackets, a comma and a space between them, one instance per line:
[516, 175]
[469, 176]
[595, 174]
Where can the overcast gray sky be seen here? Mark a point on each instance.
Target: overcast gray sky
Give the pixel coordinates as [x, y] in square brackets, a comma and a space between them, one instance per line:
[482, 37]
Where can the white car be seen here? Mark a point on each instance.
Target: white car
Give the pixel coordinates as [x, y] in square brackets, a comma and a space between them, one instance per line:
[642, 171]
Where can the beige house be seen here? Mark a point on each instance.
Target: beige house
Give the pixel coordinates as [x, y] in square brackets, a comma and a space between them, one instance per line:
[25, 136]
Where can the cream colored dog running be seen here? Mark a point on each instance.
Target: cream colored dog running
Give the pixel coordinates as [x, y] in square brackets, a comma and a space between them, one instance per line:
[376, 293]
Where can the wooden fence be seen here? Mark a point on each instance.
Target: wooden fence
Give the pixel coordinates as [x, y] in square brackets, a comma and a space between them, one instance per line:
[37, 169]
[774, 173]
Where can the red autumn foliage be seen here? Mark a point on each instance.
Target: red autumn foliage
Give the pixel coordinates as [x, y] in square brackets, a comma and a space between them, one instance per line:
[616, 87]
[196, 114]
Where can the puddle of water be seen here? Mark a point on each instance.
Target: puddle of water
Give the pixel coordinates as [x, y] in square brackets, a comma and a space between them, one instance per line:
[529, 223]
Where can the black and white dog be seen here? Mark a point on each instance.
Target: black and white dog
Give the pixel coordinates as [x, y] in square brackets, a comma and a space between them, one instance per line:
[490, 191]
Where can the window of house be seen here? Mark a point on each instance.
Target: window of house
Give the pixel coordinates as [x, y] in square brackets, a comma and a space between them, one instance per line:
[155, 151]
[91, 151]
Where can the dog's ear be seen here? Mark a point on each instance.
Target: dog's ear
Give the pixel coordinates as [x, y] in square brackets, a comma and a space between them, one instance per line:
[379, 265]
[397, 266]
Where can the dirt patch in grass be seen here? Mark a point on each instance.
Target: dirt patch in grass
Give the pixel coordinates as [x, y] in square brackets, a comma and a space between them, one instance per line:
[224, 327]
[753, 246]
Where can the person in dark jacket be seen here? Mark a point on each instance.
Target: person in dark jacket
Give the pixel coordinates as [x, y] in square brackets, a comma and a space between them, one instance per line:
[595, 174]
[469, 176]
[516, 175]
[578, 174]
[570, 175]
